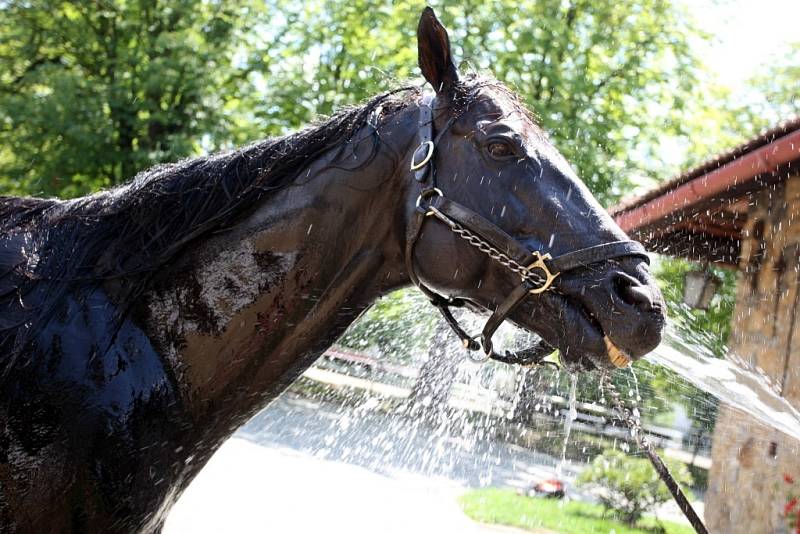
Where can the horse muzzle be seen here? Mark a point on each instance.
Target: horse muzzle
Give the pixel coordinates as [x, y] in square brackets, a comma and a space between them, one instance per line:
[623, 307]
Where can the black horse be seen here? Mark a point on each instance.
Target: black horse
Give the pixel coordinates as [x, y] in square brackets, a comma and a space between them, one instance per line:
[141, 326]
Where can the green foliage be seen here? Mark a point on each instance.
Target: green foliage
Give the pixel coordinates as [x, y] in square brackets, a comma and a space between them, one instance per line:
[398, 326]
[92, 93]
[710, 328]
[778, 87]
[629, 486]
[605, 78]
[721, 119]
[504, 507]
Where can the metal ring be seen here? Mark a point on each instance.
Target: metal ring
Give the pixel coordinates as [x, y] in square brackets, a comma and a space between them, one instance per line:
[428, 156]
[427, 193]
[478, 356]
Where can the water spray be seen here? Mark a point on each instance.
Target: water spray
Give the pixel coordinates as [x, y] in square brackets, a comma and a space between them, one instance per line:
[635, 427]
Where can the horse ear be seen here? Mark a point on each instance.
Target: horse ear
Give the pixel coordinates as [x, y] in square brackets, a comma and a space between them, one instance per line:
[435, 57]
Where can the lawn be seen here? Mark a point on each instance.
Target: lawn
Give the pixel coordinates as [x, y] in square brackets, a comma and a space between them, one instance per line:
[505, 507]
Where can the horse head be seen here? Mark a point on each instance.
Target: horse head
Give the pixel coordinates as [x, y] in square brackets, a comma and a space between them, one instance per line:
[499, 221]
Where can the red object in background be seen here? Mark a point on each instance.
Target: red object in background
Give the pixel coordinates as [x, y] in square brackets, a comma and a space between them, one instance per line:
[550, 488]
[789, 506]
[791, 510]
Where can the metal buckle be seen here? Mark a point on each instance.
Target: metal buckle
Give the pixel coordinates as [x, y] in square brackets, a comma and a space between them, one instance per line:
[539, 263]
[428, 155]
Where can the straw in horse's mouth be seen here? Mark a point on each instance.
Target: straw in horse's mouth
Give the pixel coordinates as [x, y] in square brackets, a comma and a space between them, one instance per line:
[618, 358]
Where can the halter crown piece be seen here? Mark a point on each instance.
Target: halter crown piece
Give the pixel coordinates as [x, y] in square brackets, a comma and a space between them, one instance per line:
[537, 270]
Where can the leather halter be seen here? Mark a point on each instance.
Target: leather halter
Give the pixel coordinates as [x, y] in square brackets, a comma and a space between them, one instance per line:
[537, 271]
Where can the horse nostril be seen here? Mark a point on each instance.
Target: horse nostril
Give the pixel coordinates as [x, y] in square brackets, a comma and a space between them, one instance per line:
[633, 292]
[639, 295]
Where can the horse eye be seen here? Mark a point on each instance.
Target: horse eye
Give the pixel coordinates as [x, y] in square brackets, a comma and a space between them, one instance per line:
[499, 149]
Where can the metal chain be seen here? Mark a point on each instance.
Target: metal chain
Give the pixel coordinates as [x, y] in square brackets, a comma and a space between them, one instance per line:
[492, 252]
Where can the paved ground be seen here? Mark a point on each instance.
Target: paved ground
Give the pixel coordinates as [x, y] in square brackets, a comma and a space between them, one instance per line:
[247, 488]
[307, 467]
[302, 466]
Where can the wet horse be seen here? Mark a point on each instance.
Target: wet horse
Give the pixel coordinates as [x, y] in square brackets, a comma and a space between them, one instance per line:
[141, 326]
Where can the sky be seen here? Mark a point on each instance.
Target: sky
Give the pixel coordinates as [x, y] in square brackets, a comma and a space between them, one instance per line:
[746, 34]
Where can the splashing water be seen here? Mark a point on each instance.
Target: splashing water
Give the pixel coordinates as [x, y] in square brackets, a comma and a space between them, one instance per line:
[486, 424]
[634, 395]
[729, 381]
[410, 406]
[572, 414]
[635, 389]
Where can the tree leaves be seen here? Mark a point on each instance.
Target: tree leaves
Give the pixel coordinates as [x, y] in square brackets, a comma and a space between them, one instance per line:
[629, 486]
[93, 93]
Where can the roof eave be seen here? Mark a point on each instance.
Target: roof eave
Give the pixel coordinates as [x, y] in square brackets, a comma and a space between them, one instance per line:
[722, 182]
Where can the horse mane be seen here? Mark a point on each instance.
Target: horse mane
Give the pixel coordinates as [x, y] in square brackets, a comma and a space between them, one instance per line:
[48, 247]
[148, 219]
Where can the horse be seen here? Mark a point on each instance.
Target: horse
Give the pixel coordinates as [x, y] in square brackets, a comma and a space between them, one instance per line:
[141, 326]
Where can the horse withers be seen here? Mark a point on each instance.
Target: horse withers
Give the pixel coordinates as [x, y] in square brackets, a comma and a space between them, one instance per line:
[141, 326]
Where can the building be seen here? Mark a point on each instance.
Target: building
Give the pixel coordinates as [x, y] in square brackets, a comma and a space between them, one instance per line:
[742, 210]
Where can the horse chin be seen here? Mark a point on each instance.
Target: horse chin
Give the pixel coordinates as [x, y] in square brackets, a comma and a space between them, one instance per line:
[569, 326]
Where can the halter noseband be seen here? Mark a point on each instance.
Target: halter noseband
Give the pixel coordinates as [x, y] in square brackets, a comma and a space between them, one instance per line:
[537, 271]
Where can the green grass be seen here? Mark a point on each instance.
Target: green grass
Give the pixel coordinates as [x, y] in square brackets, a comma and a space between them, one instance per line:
[504, 507]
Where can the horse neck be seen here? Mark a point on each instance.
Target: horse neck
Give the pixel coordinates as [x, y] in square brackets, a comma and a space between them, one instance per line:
[245, 312]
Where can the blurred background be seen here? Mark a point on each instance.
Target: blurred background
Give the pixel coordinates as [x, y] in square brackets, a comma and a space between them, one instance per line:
[632, 92]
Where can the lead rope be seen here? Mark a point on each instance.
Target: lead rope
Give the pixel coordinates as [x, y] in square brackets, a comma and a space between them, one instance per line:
[631, 422]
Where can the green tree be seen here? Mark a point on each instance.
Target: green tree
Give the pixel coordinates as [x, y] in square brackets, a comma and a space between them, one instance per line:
[606, 78]
[720, 119]
[709, 328]
[92, 92]
[778, 87]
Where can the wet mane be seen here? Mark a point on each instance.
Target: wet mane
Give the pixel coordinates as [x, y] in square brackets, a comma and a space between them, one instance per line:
[124, 235]
[148, 219]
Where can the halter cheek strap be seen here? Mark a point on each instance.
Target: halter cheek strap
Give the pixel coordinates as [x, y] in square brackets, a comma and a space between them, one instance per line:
[537, 271]
[424, 152]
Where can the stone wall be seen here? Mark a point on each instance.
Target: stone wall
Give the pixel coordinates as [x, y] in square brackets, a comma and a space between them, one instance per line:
[746, 490]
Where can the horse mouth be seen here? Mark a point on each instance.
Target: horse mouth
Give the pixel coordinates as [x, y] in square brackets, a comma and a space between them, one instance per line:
[616, 356]
[582, 340]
